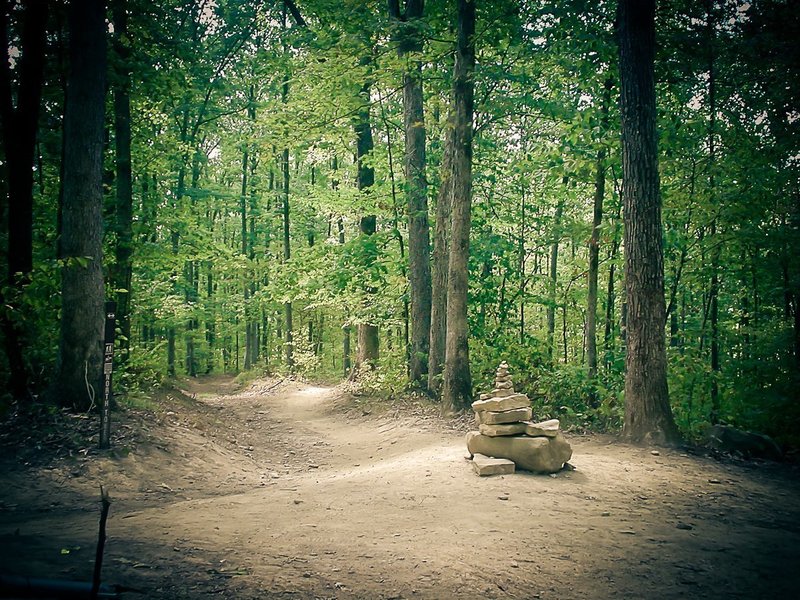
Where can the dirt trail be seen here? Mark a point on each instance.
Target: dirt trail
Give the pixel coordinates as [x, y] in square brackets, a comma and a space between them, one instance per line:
[276, 493]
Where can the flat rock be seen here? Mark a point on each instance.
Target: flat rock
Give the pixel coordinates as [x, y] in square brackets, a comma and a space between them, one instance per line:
[501, 392]
[499, 404]
[502, 429]
[543, 429]
[504, 385]
[537, 454]
[490, 417]
[485, 465]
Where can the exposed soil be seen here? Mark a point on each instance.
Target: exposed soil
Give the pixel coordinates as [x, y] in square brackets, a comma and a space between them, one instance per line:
[284, 490]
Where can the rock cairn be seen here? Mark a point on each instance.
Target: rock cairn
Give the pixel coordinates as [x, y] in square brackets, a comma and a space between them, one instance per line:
[507, 439]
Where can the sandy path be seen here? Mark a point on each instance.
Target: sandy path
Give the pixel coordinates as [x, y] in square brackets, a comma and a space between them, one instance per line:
[325, 507]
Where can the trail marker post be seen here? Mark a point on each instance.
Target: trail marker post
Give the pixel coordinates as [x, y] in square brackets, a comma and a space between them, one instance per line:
[108, 367]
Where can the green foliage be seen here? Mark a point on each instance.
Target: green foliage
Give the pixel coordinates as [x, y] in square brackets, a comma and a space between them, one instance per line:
[216, 101]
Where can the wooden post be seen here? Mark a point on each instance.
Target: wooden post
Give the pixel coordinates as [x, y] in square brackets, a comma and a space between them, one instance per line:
[108, 366]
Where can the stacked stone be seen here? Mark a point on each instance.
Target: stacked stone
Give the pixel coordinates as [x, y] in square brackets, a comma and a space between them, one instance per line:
[502, 411]
[506, 433]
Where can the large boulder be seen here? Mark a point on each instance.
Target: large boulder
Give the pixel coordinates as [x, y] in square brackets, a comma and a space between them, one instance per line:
[537, 454]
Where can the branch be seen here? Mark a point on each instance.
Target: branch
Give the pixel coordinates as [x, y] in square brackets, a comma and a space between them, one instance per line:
[298, 18]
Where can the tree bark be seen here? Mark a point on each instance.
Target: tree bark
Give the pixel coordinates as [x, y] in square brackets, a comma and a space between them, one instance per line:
[648, 417]
[457, 391]
[124, 179]
[715, 250]
[82, 317]
[441, 255]
[553, 278]
[346, 329]
[367, 332]
[594, 245]
[594, 262]
[419, 260]
[248, 344]
[287, 254]
[19, 128]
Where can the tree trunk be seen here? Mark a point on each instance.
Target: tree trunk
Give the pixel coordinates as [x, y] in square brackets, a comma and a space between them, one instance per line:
[211, 327]
[522, 262]
[346, 329]
[457, 392]
[175, 235]
[608, 334]
[648, 417]
[248, 345]
[124, 181]
[553, 278]
[594, 263]
[79, 363]
[419, 260]
[418, 229]
[367, 332]
[287, 253]
[19, 127]
[441, 255]
[594, 245]
[715, 250]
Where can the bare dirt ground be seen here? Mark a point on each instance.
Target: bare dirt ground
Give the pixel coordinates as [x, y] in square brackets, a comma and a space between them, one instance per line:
[285, 490]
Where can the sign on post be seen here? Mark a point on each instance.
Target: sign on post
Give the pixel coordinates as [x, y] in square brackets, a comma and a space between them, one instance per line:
[108, 367]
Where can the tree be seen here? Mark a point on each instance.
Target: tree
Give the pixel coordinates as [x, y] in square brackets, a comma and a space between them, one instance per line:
[594, 243]
[123, 223]
[19, 126]
[419, 264]
[365, 179]
[457, 390]
[439, 266]
[82, 293]
[648, 416]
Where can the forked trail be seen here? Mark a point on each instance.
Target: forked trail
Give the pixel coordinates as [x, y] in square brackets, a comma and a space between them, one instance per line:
[275, 493]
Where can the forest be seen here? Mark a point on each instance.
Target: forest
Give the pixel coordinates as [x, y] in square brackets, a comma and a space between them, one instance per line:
[406, 193]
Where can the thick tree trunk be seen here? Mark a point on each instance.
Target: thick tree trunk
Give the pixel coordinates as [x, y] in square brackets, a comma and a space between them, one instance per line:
[82, 295]
[648, 417]
[419, 260]
[124, 180]
[19, 127]
[457, 390]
